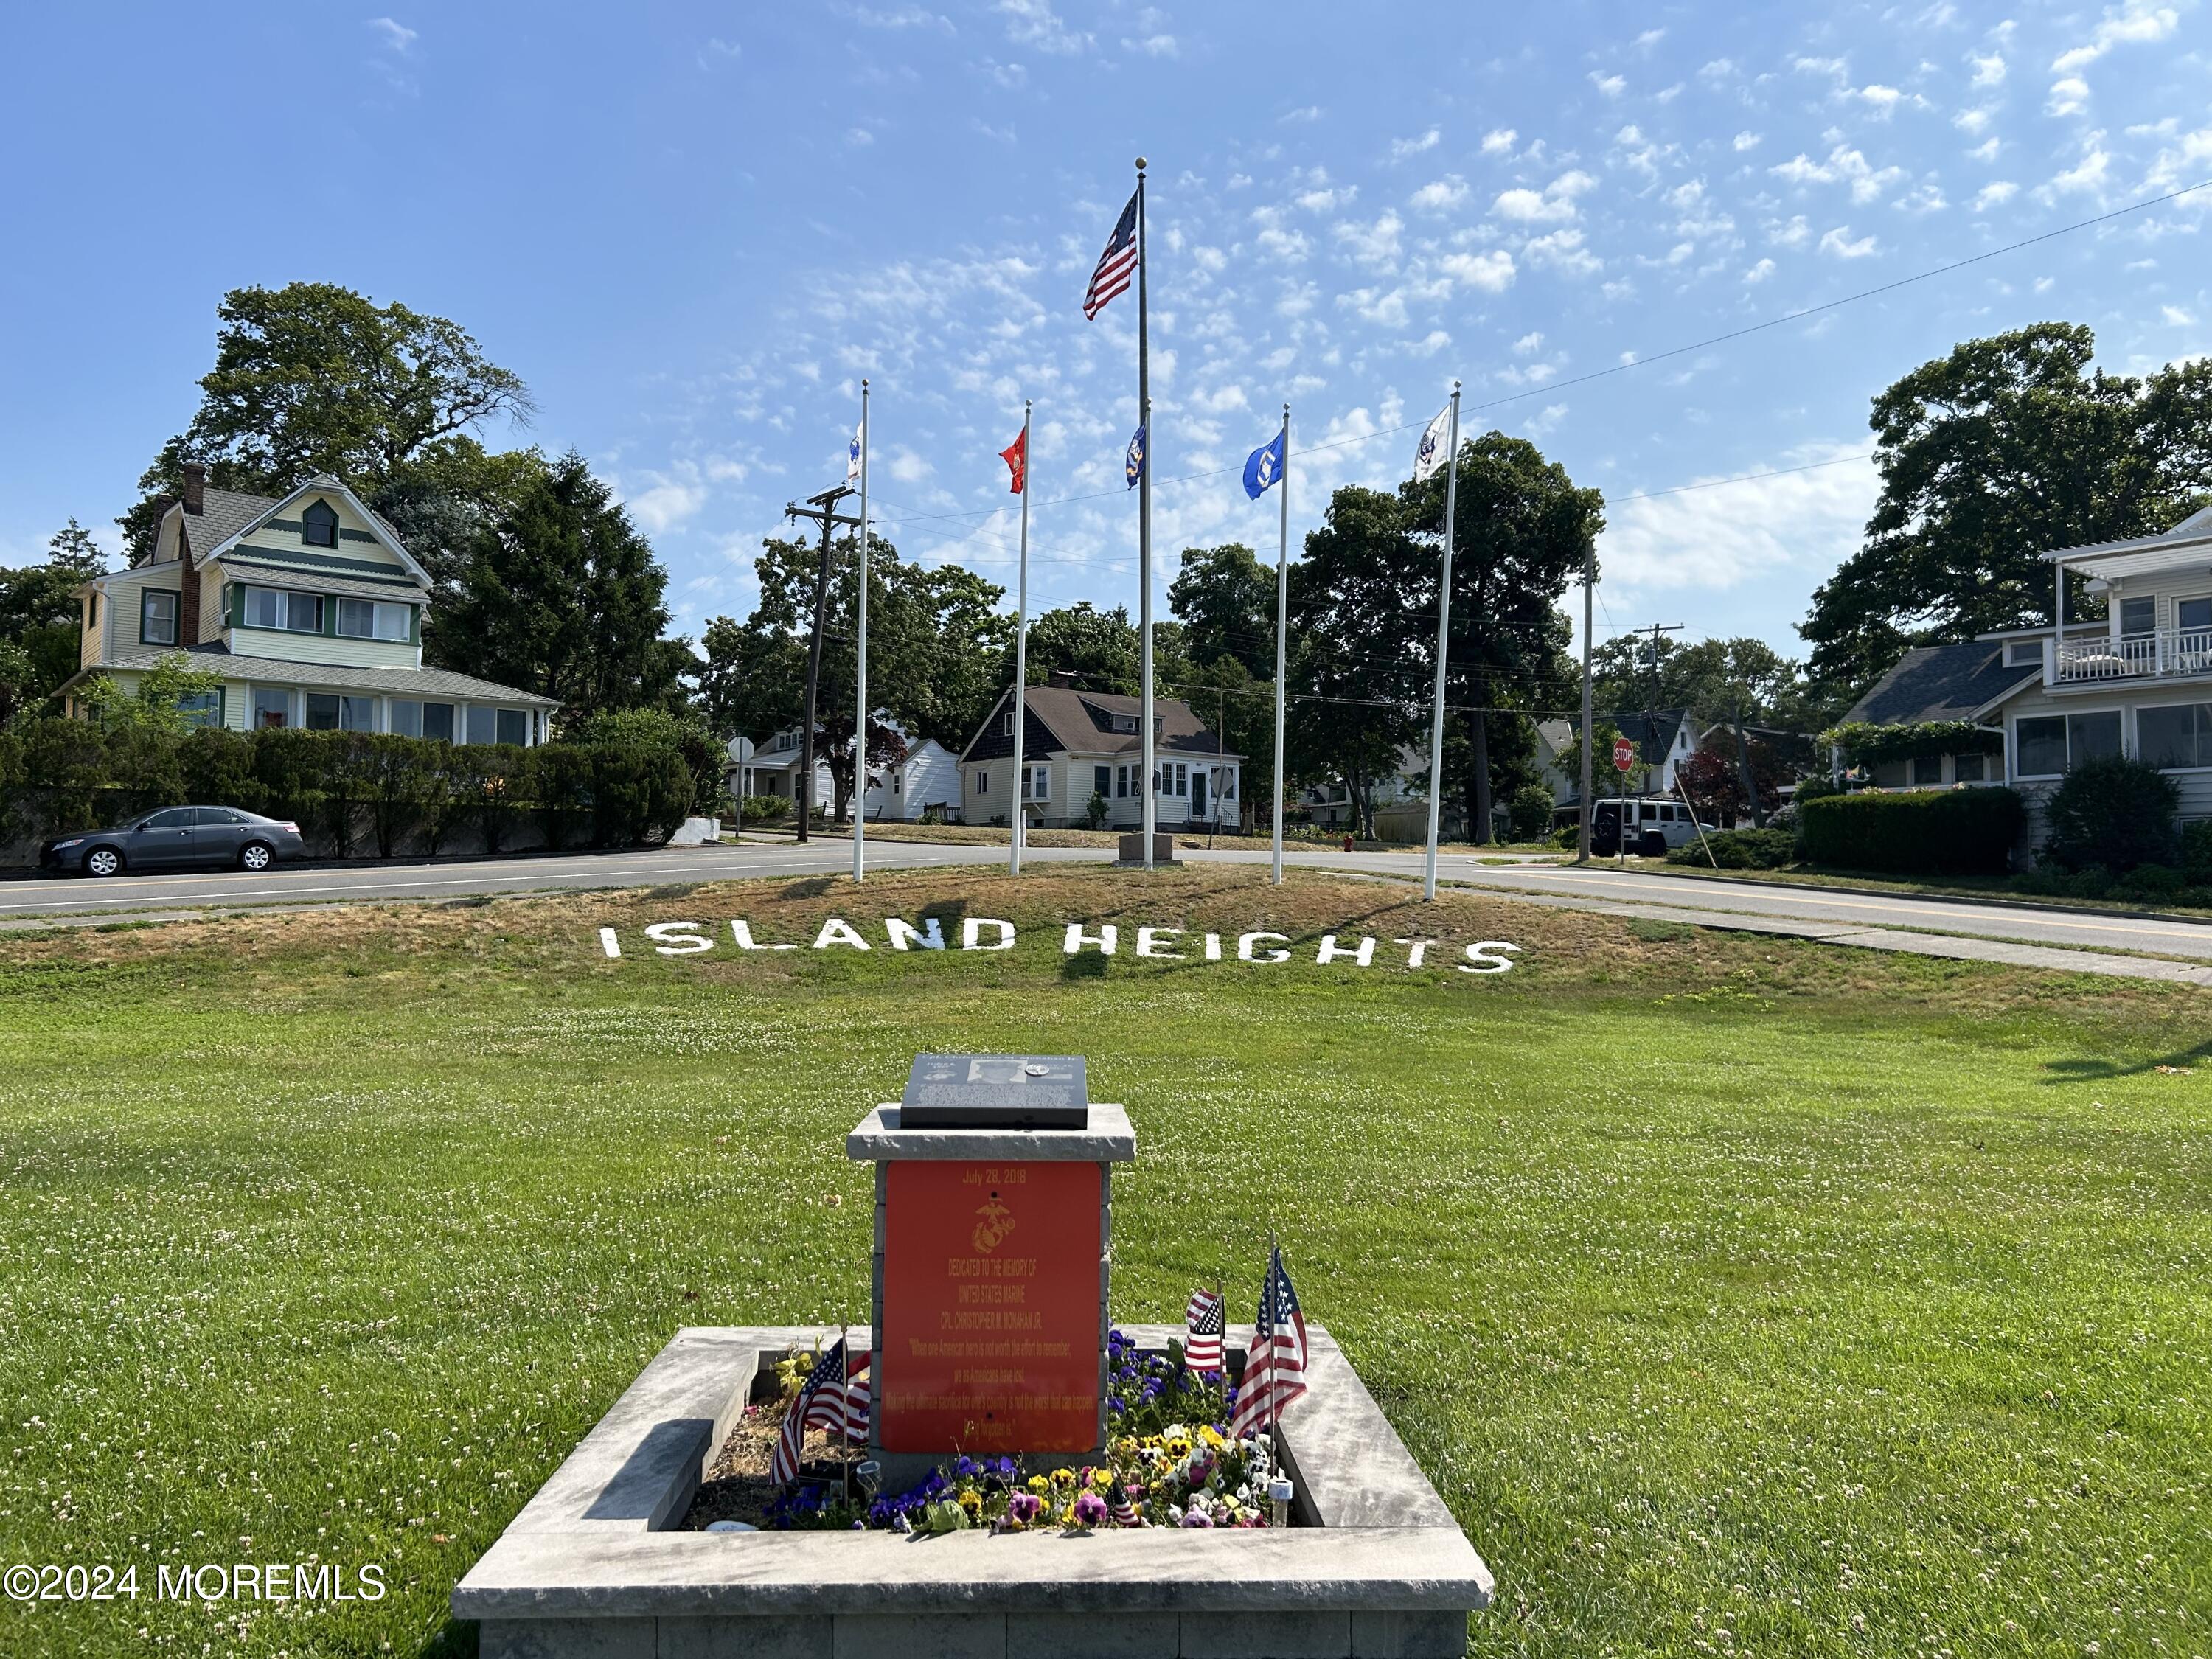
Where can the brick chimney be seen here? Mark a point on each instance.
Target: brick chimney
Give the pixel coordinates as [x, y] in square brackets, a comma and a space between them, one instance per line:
[1066, 679]
[195, 487]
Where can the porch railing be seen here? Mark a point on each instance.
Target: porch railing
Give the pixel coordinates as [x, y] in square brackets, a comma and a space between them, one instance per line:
[2169, 653]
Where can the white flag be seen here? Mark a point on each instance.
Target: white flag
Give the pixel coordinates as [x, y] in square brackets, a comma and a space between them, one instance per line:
[853, 457]
[1430, 457]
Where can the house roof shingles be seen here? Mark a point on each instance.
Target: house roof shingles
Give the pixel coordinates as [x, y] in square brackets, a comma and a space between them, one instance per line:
[223, 513]
[1941, 683]
[1061, 720]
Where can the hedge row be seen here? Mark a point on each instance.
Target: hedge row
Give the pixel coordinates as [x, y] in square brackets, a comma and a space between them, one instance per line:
[1952, 832]
[348, 791]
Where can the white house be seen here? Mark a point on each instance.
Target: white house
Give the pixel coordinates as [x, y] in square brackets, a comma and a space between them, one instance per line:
[310, 608]
[1664, 746]
[1078, 744]
[2137, 682]
[928, 776]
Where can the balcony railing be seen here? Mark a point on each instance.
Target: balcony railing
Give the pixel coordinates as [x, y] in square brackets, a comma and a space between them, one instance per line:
[2169, 654]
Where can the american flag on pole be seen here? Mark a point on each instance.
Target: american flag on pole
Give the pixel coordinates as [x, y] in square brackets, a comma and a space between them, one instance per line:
[1115, 265]
[1203, 1322]
[1275, 1365]
[835, 1398]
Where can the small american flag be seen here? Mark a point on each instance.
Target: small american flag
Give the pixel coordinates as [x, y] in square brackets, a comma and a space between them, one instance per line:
[1275, 1365]
[1203, 1321]
[1116, 264]
[835, 1399]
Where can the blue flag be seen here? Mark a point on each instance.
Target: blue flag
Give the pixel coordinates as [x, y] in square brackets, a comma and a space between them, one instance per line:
[1263, 467]
[1133, 463]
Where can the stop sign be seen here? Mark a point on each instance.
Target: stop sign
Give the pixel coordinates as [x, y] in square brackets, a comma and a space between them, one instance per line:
[1623, 755]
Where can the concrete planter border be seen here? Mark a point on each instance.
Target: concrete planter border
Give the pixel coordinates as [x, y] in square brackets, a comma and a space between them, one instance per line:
[592, 1568]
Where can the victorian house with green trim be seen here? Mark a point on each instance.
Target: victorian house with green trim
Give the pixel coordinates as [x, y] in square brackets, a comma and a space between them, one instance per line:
[309, 606]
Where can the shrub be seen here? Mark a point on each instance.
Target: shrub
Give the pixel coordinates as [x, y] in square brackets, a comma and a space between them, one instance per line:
[2158, 883]
[1739, 849]
[1530, 811]
[2197, 851]
[1095, 810]
[1921, 831]
[2113, 811]
[764, 809]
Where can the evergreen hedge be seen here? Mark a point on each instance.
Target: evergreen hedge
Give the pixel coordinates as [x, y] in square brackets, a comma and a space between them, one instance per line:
[1952, 832]
[351, 792]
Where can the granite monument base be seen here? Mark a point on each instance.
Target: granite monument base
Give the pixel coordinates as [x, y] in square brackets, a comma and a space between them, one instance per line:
[1374, 1566]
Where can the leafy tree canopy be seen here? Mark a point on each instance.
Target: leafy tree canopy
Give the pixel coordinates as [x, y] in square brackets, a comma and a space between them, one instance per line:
[1225, 599]
[2006, 449]
[38, 635]
[315, 377]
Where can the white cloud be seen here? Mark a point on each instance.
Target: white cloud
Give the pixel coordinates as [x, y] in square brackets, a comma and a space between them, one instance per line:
[668, 502]
[1553, 204]
[1528, 345]
[1719, 70]
[1986, 151]
[1843, 165]
[2068, 97]
[1034, 23]
[1446, 193]
[2134, 23]
[1972, 120]
[1304, 112]
[1649, 38]
[1733, 533]
[1375, 306]
[2182, 163]
[1545, 420]
[1491, 271]
[1562, 251]
[1795, 232]
[1837, 244]
[1989, 71]
[1287, 245]
[1829, 66]
[1498, 140]
[1882, 98]
[1154, 46]
[1995, 194]
[907, 467]
[902, 17]
[2176, 316]
[1759, 272]
[1611, 85]
[1401, 147]
[1745, 141]
[2090, 173]
[397, 36]
[1371, 244]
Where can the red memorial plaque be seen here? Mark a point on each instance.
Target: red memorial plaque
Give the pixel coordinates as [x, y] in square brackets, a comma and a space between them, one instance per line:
[990, 1342]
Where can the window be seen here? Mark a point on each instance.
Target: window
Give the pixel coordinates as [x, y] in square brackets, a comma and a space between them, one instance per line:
[1121, 782]
[374, 619]
[1890, 775]
[214, 818]
[1927, 770]
[1006, 724]
[1229, 784]
[2138, 616]
[357, 713]
[2050, 744]
[514, 727]
[92, 610]
[438, 720]
[482, 724]
[2023, 654]
[1038, 784]
[1970, 768]
[177, 818]
[322, 711]
[295, 613]
[2172, 738]
[2192, 616]
[205, 709]
[318, 524]
[157, 617]
[1126, 723]
[273, 708]
[982, 783]
[1183, 780]
[405, 718]
[1102, 780]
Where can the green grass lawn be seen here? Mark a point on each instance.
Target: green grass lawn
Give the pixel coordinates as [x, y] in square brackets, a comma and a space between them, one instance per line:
[1740, 1296]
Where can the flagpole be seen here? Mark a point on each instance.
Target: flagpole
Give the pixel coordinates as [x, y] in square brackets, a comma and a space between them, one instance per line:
[1282, 634]
[861, 691]
[1443, 635]
[1144, 524]
[1021, 652]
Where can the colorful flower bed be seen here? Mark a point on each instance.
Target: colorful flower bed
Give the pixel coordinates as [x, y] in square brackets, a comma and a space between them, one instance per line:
[1171, 1462]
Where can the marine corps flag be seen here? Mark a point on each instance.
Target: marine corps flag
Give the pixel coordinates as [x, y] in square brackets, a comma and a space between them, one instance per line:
[1016, 455]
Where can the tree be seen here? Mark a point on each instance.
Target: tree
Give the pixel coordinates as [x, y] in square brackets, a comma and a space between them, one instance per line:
[1713, 780]
[935, 641]
[38, 619]
[1521, 533]
[1099, 646]
[314, 378]
[1225, 599]
[1712, 679]
[1990, 458]
[563, 596]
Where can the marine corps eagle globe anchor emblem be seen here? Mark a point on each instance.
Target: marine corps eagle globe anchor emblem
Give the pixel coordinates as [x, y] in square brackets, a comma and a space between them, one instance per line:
[991, 1232]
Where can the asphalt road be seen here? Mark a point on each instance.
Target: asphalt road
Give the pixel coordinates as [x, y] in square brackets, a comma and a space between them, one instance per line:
[1596, 887]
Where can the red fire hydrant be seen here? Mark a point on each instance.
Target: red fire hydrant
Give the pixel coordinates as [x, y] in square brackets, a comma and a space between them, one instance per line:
[1347, 843]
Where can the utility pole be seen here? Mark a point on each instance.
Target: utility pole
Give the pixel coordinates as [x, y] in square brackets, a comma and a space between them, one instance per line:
[822, 510]
[1589, 583]
[1651, 709]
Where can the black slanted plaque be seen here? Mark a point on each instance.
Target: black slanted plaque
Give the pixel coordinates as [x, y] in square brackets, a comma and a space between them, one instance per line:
[996, 1092]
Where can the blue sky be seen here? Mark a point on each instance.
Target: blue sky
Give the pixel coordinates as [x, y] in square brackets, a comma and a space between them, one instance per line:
[692, 229]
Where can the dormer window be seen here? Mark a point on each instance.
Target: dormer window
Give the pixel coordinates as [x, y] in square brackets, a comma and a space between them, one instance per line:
[318, 524]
